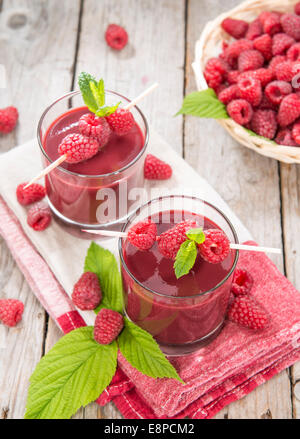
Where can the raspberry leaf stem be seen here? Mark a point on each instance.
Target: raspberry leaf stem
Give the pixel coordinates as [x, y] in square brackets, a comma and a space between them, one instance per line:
[71, 375]
[185, 258]
[203, 104]
[143, 353]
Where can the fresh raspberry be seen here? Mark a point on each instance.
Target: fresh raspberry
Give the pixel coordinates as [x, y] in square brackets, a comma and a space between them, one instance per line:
[8, 119]
[39, 216]
[287, 70]
[108, 325]
[242, 282]
[240, 111]
[263, 15]
[245, 311]
[263, 44]
[266, 104]
[281, 43]
[250, 90]
[297, 8]
[277, 90]
[233, 51]
[279, 59]
[34, 192]
[250, 60]
[216, 246]
[229, 93]
[264, 76]
[264, 123]
[271, 23]
[170, 241]
[121, 121]
[87, 293]
[11, 311]
[221, 88]
[291, 25]
[142, 234]
[232, 77]
[216, 64]
[289, 110]
[92, 126]
[156, 169]
[255, 29]
[235, 28]
[296, 132]
[116, 36]
[293, 54]
[78, 147]
[213, 78]
[285, 137]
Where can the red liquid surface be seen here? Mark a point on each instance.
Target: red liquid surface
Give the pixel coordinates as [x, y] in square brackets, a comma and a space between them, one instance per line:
[179, 314]
[75, 196]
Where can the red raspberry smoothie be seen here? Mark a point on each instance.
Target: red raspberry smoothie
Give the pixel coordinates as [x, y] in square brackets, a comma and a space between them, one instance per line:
[178, 312]
[75, 196]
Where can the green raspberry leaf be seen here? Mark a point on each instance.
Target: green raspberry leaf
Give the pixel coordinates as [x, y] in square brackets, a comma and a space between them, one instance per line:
[143, 353]
[107, 111]
[84, 81]
[252, 133]
[196, 235]
[185, 258]
[71, 375]
[104, 264]
[204, 104]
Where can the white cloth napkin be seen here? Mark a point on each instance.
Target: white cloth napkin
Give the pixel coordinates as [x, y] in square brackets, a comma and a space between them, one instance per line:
[65, 253]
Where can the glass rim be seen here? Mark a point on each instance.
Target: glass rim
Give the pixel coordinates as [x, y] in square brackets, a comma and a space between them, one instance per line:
[175, 298]
[67, 171]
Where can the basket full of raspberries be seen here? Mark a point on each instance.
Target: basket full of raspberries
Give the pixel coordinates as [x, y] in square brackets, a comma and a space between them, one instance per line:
[247, 69]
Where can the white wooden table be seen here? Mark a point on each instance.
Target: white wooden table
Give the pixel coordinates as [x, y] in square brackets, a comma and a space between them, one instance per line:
[43, 46]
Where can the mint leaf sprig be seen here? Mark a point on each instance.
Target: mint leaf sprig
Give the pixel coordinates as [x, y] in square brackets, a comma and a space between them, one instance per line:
[187, 253]
[93, 95]
[78, 369]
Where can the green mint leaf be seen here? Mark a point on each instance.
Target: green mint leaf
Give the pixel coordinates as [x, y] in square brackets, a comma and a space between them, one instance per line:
[98, 92]
[204, 104]
[185, 258]
[104, 264]
[84, 81]
[71, 375]
[143, 353]
[196, 235]
[107, 111]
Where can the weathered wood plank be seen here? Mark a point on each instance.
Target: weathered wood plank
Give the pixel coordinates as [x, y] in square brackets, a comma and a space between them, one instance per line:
[290, 189]
[37, 48]
[250, 185]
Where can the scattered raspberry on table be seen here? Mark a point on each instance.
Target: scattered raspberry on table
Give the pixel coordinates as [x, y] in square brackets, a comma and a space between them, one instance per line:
[245, 311]
[39, 216]
[8, 119]
[87, 292]
[116, 36]
[11, 311]
[156, 169]
[33, 193]
[242, 282]
[108, 326]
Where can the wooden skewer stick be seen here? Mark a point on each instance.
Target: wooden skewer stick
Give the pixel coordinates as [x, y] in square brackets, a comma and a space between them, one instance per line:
[61, 159]
[46, 171]
[252, 248]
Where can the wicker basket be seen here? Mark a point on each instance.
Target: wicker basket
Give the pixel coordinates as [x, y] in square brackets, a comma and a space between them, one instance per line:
[209, 45]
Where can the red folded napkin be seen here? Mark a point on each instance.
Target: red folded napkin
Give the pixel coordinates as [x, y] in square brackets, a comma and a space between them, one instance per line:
[236, 362]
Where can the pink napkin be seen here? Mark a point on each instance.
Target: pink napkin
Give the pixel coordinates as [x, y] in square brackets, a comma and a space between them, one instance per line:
[226, 370]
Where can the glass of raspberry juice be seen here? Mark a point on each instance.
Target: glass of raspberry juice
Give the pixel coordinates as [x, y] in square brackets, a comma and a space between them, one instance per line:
[181, 314]
[95, 192]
